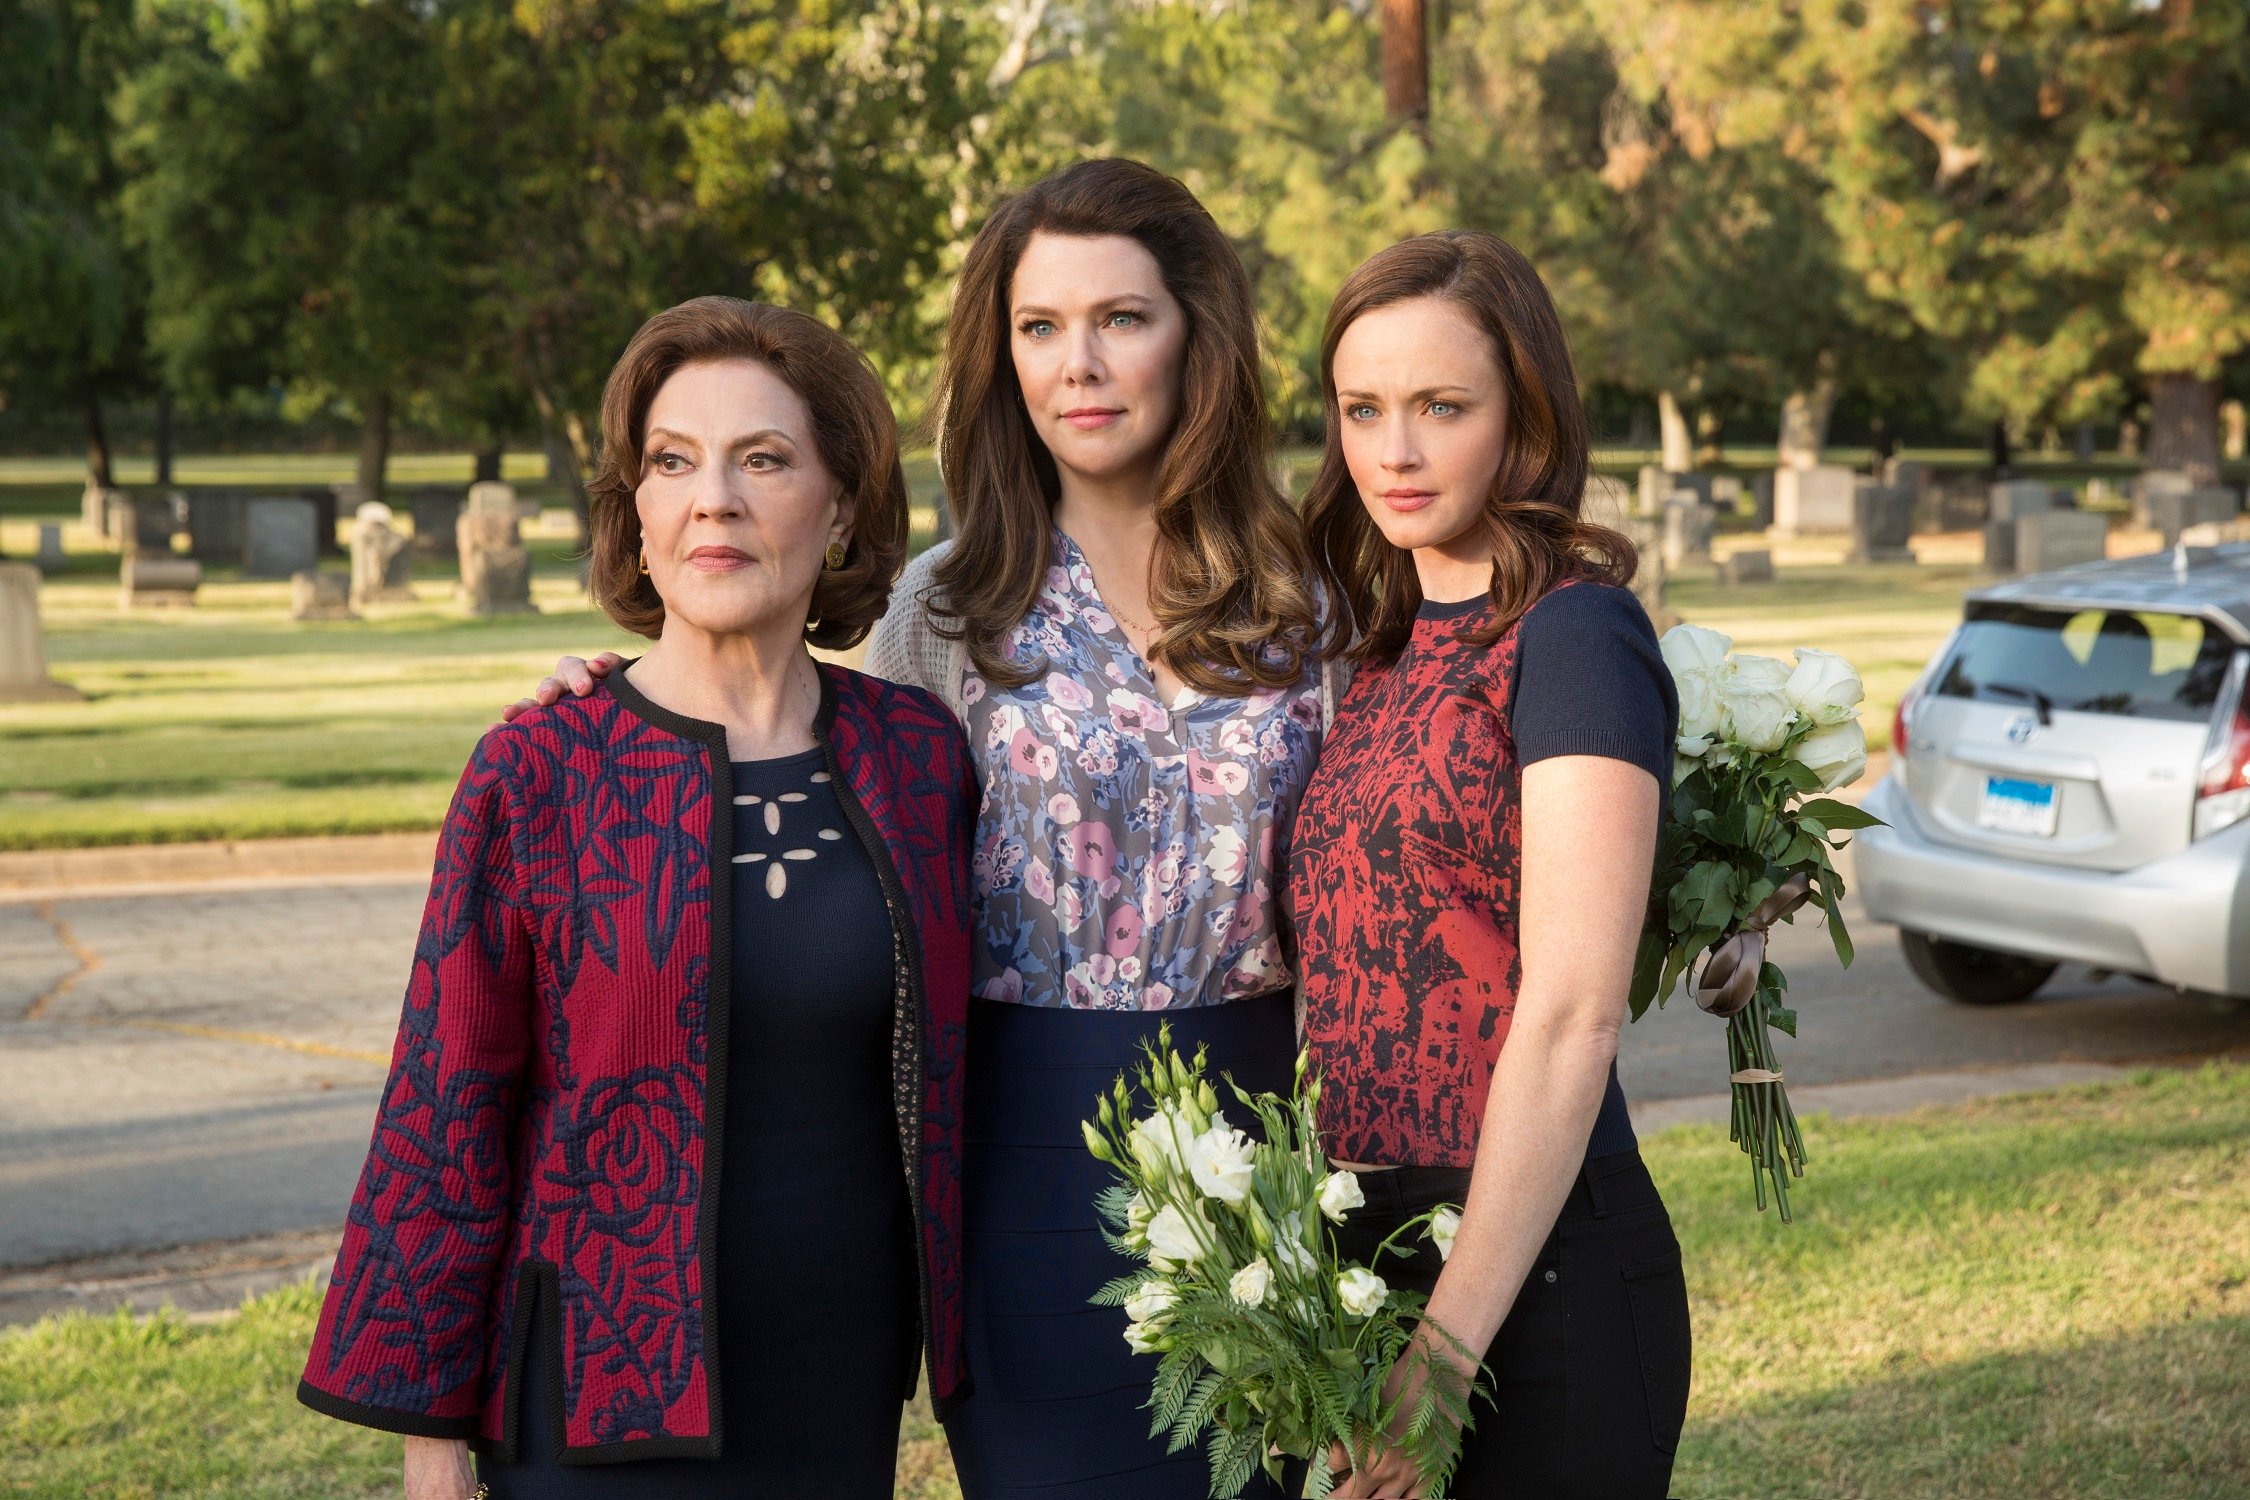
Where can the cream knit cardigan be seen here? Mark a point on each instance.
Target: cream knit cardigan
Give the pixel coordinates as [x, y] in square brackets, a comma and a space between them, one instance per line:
[906, 648]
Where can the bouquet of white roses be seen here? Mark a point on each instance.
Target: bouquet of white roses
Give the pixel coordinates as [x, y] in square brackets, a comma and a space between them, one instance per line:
[1267, 1340]
[1746, 844]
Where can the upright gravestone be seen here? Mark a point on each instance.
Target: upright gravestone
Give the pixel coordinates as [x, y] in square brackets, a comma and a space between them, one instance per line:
[318, 595]
[1812, 502]
[149, 527]
[495, 564]
[2019, 497]
[1605, 502]
[214, 524]
[2150, 483]
[1882, 523]
[2170, 513]
[280, 536]
[23, 645]
[1688, 524]
[435, 512]
[1647, 536]
[1655, 484]
[52, 558]
[1747, 567]
[381, 557]
[2046, 540]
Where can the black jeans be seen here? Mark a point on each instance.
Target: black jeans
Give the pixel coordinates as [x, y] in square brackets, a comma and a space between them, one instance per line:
[1590, 1370]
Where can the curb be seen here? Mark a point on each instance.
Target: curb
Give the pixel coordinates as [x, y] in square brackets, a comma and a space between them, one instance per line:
[41, 874]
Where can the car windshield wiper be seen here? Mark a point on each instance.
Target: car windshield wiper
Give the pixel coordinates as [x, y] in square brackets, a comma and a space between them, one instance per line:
[2043, 705]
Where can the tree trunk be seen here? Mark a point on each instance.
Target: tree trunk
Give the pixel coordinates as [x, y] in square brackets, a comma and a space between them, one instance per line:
[2003, 461]
[1804, 424]
[2235, 418]
[1710, 426]
[570, 458]
[374, 444]
[1678, 444]
[2184, 426]
[488, 460]
[164, 438]
[2128, 439]
[97, 443]
[1406, 61]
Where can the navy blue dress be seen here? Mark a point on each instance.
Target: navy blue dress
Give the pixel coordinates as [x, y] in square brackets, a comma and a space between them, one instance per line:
[817, 1323]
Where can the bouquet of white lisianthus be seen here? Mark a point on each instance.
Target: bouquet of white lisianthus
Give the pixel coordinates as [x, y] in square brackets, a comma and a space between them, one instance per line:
[1746, 844]
[1268, 1341]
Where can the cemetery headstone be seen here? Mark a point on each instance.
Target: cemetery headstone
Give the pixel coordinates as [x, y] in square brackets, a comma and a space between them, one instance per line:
[215, 525]
[2045, 540]
[1655, 484]
[23, 644]
[2019, 497]
[318, 595]
[1726, 491]
[435, 512]
[51, 558]
[1605, 502]
[1812, 502]
[1688, 524]
[1647, 536]
[1747, 567]
[2000, 547]
[158, 581]
[2153, 482]
[381, 557]
[495, 564]
[2170, 513]
[280, 536]
[148, 527]
[1882, 523]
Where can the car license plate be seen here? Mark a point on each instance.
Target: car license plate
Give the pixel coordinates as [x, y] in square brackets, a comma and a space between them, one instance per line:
[2013, 805]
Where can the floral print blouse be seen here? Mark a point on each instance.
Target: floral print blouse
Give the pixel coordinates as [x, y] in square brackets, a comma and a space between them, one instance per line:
[1129, 851]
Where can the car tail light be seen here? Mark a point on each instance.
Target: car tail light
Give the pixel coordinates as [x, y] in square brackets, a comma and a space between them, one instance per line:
[2222, 796]
[1901, 722]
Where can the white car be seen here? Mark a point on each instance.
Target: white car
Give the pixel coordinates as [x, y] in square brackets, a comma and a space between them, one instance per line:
[2070, 783]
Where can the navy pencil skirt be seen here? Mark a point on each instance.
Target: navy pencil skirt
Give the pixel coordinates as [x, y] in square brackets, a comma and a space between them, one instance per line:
[1056, 1410]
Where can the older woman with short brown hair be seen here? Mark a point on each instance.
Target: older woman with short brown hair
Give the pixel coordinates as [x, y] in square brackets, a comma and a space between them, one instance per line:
[664, 1195]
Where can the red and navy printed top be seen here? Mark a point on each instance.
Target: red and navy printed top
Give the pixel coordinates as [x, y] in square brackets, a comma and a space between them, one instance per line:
[1408, 858]
[555, 1111]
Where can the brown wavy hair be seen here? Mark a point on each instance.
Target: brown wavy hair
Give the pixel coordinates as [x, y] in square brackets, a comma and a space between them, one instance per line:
[1229, 579]
[853, 429]
[1532, 514]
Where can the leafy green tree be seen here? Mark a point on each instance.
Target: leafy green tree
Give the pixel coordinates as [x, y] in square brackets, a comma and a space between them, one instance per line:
[2062, 189]
[279, 149]
[69, 322]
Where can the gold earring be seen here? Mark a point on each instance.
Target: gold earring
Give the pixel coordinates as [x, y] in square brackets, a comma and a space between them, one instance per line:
[835, 556]
[644, 562]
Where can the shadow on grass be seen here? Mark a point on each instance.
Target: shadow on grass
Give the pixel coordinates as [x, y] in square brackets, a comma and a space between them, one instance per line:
[2158, 1414]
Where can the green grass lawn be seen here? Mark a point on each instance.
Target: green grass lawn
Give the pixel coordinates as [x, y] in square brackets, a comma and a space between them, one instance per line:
[2045, 1296]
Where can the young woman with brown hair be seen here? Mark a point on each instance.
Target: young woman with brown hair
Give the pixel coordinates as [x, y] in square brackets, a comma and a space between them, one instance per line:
[1471, 863]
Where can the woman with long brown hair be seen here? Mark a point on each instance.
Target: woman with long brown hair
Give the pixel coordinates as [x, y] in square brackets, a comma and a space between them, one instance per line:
[1126, 627]
[1470, 867]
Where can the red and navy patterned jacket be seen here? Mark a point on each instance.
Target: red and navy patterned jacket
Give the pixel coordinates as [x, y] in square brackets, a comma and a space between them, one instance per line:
[552, 1122]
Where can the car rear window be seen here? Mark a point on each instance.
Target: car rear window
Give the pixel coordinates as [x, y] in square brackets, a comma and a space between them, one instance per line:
[2135, 663]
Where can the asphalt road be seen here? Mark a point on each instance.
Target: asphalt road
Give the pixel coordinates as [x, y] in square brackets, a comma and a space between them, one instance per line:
[203, 1065]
